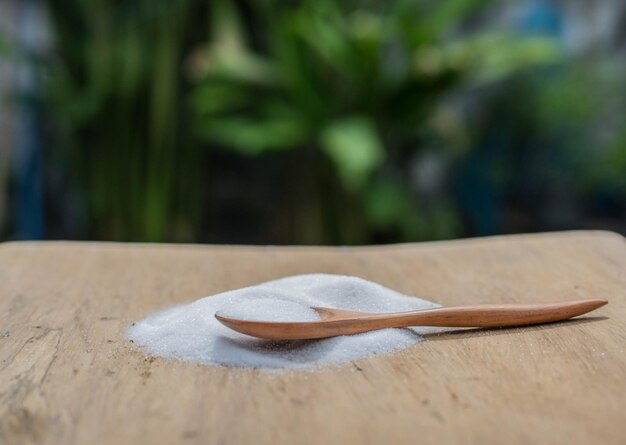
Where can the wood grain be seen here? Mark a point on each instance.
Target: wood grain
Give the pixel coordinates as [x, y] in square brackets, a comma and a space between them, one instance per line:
[68, 376]
[333, 322]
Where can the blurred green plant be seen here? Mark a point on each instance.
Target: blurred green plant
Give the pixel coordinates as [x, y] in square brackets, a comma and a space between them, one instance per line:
[351, 89]
[5, 46]
[358, 82]
[591, 100]
[113, 89]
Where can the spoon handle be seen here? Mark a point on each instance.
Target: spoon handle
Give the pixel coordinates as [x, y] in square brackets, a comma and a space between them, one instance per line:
[495, 315]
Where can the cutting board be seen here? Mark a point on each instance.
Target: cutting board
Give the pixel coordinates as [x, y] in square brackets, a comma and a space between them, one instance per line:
[68, 376]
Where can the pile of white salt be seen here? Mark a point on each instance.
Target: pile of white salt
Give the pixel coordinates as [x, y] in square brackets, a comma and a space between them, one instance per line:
[191, 332]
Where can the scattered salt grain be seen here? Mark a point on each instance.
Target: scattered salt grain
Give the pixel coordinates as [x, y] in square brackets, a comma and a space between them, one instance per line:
[191, 332]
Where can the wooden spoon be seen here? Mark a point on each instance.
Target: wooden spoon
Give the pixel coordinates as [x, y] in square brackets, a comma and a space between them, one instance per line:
[335, 322]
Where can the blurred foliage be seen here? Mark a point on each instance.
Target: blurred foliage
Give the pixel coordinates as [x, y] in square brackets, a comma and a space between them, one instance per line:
[549, 145]
[114, 89]
[5, 46]
[335, 100]
[360, 82]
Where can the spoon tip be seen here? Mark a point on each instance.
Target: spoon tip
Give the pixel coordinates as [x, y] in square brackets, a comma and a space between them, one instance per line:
[222, 318]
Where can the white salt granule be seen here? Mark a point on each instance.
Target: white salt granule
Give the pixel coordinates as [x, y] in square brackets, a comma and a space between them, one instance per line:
[268, 309]
[191, 332]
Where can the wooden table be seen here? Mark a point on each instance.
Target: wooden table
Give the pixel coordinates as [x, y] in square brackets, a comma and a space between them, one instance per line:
[68, 376]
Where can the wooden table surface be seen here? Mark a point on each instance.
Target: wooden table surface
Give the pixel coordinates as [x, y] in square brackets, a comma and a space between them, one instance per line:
[68, 376]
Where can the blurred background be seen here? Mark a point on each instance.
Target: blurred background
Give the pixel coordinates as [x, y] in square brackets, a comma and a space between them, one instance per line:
[310, 122]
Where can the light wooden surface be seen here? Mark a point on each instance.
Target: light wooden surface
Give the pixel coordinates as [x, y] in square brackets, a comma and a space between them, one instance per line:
[68, 376]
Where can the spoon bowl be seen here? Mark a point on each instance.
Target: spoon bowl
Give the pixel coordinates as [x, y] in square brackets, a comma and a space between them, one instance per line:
[334, 322]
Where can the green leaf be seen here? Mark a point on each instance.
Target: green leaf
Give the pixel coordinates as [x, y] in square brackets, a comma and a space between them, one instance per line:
[354, 147]
[227, 29]
[214, 98]
[254, 136]
[489, 57]
[5, 46]
[450, 13]
[324, 33]
[229, 56]
[386, 202]
[242, 67]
